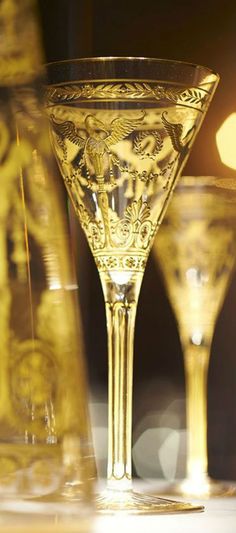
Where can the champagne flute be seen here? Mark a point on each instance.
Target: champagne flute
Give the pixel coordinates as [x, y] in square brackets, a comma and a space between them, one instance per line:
[122, 129]
[196, 250]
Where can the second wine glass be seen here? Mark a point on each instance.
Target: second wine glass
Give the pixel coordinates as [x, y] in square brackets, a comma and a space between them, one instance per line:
[196, 251]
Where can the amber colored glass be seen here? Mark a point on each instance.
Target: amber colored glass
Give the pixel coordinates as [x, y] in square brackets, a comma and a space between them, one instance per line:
[196, 252]
[122, 129]
[45, 444]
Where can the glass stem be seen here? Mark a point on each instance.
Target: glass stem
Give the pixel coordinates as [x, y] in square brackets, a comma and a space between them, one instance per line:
[121, 304]
[196, 362]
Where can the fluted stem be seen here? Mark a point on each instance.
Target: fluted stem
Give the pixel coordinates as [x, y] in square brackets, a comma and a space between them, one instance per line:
[121, 305]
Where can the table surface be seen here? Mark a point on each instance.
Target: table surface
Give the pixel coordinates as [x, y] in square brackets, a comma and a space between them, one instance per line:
[219, 516]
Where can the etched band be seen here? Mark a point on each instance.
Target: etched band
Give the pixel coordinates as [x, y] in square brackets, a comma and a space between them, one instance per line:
[126, 261]
[194, 97]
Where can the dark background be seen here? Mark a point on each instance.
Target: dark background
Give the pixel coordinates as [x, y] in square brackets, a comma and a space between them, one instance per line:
[199, 32]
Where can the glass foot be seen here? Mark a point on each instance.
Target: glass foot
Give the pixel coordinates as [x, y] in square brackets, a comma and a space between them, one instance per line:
[49, 505]
[111, 501]
[204, 488]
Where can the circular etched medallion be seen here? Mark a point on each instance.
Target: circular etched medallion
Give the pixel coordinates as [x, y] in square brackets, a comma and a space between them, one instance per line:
[33, 380]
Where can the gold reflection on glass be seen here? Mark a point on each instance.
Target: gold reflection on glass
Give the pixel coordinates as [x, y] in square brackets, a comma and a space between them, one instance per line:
[121, 136]
[196, 250]
[45, 446]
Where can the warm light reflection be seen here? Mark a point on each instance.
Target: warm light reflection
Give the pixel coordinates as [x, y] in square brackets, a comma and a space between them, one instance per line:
[54, 285]
[120, 277]
[198, 485]
[196, 338]
[226, 141]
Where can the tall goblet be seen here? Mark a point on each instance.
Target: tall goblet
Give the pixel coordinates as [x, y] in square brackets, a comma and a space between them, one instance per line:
[121, 130]
[196, 251]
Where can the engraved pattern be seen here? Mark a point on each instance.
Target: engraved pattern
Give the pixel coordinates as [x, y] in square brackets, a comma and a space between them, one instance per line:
[96, 163]
[175, 131]
[136, 150]
[19, 62]
[146, 149]
[196, 250]
[133, 232]
[197, 257]
[33, 380]
[134, 262]
[194, 97]
[107, 231]
[135, 229]
[148, 145]
[97, 140]
[31, 347]
[39, 410]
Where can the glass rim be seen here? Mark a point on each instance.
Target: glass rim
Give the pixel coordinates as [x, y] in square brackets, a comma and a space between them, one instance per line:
[96, 59]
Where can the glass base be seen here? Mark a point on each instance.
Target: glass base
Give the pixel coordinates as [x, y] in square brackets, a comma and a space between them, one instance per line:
[43, 517]
[111, 501]
[202, 489]
[51, 505]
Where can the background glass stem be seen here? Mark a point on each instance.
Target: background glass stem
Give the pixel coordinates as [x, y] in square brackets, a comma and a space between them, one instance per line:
[196, 362]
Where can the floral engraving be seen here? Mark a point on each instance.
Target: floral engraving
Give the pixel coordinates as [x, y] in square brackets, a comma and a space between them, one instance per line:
[132, 232]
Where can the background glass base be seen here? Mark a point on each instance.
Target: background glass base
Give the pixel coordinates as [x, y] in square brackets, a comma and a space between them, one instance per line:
[110, 501]
[202, 489]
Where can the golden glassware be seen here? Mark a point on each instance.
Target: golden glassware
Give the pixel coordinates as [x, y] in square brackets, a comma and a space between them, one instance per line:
[196, 252]
[121, 130]
[45, 448]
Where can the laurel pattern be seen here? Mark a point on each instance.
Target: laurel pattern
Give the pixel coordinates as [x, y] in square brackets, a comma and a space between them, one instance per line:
[194, 97]
[143, 151]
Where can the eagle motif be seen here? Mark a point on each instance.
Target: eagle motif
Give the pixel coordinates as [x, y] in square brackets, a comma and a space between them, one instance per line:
[94, 143]
[96, 139]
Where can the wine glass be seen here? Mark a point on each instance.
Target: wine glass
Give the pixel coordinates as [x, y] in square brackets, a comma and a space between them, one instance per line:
[46, 458]
[196, 251]
[122, 129]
